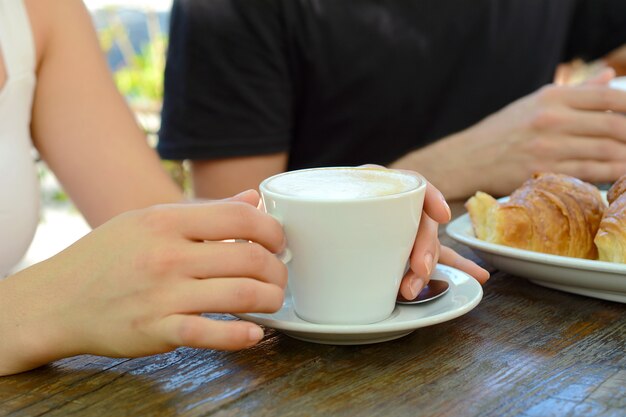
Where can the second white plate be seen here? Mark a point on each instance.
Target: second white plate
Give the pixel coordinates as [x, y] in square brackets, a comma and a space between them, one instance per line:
[605, 280]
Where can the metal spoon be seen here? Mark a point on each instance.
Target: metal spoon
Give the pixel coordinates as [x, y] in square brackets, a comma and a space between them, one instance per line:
[435, 289]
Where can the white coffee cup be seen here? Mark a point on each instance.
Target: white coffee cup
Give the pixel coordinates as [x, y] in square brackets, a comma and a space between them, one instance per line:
[618, 83]
[349, 232]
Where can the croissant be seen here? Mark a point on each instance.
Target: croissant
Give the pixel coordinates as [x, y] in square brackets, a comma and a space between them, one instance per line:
[611, 237]
[549, 213]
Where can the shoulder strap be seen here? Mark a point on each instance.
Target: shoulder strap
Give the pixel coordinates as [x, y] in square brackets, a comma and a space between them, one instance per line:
[16, 38]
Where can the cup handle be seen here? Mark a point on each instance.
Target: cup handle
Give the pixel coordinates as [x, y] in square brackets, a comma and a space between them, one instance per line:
[285, 255]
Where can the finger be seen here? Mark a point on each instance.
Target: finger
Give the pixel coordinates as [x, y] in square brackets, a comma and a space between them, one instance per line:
[563, 74]
[562, 147]
[424, 257]
[249, 197]
[593, 171]
[222, 295]
[435, 204]
[595, 97]
[425, 250]
[369, 166]
[602, 77]
[596, 124]
[411, 285]
[204, 333]
[225, 220]
[451, 258]
[232, 259]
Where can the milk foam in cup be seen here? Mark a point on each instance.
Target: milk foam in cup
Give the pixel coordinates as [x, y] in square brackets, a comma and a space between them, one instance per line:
[350, 232]
[342, 184]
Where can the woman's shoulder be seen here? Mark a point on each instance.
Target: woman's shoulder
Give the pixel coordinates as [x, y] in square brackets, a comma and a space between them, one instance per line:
[49, 19]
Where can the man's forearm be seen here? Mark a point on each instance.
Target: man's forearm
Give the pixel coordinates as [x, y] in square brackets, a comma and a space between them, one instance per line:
[221, 178]
[445, 164]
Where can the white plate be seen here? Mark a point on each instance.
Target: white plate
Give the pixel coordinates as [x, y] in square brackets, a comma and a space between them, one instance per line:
[605, 280]
[464, 294]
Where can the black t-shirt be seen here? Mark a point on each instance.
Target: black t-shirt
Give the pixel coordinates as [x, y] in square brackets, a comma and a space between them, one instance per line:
[346, 82]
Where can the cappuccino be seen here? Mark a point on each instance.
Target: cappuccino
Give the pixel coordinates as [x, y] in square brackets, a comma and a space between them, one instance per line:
[349, 233]
[339, 184]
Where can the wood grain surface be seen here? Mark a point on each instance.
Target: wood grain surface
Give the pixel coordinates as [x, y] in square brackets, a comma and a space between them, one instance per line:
[524, 350]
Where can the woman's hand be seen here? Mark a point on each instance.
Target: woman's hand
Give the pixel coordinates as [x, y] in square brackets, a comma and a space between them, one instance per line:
[136, 285]
[427, 250]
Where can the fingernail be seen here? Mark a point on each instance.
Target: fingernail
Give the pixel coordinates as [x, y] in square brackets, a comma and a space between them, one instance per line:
[486, 274]
[428, 262]
[241, 194]
[255, 334]
[445, 204]
[416, 286]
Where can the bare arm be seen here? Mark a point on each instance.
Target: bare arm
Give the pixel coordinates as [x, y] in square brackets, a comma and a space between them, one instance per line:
[81, 125]
[136, 285]
[224, 177]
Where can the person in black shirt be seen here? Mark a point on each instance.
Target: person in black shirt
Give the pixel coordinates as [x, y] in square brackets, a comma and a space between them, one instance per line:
[255, 87]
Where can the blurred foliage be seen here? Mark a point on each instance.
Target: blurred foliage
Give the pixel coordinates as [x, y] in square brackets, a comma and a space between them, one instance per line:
[143, 80]
[140, 79]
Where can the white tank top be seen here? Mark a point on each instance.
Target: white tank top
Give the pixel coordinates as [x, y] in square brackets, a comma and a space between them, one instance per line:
[19, 188]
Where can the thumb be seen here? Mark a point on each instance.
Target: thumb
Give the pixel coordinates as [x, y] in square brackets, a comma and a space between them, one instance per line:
[602, 77]
[249, 196]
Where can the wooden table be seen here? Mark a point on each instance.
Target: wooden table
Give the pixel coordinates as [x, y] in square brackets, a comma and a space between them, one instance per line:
[523, 351]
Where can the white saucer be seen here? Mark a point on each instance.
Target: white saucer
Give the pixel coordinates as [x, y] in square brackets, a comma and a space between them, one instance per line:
[464, 294]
